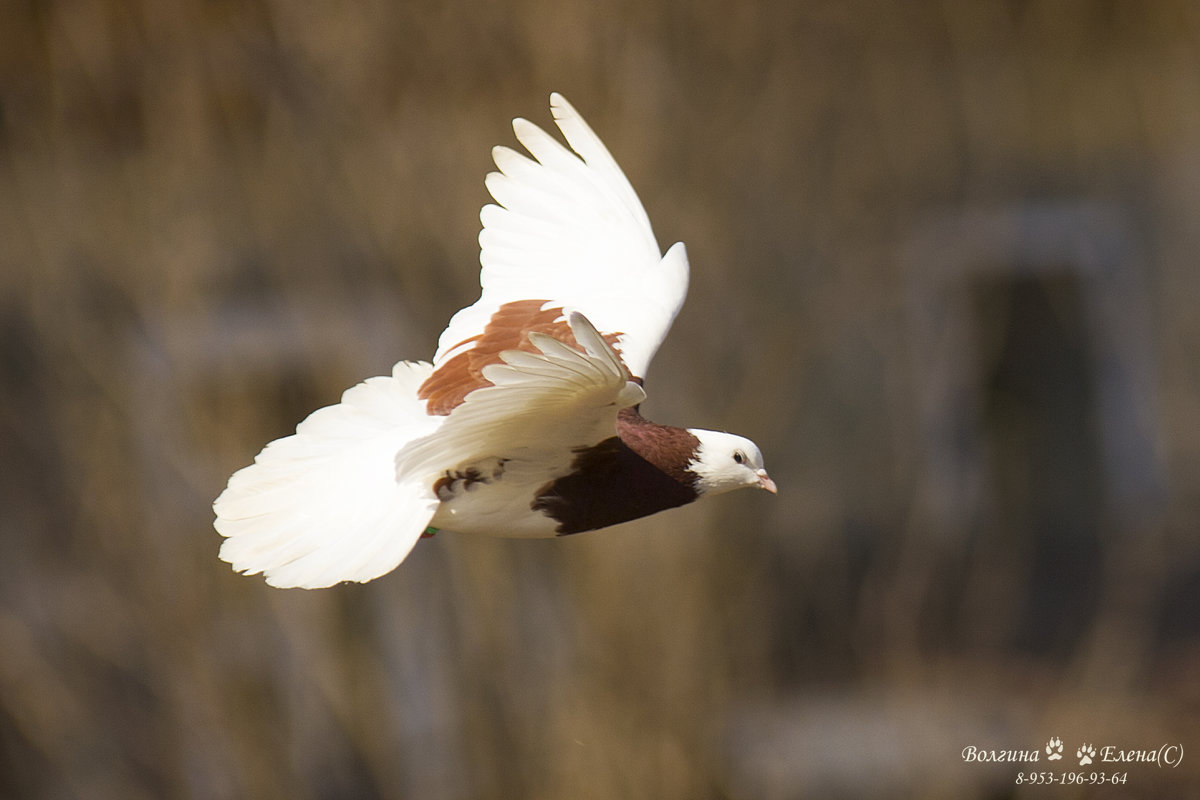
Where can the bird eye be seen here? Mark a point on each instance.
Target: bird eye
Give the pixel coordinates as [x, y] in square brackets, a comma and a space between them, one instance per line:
[738, 457]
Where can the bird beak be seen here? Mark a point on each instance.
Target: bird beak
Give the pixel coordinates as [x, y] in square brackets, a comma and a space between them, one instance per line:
[765, 482]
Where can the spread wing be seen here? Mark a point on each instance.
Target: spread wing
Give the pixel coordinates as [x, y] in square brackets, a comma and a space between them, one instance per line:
[552, 398]
[567, 229]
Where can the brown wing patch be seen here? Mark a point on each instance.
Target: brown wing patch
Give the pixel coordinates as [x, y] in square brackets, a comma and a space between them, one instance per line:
[508, 329]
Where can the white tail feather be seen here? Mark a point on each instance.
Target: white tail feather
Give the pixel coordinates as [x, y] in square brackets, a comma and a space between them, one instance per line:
[325, 505]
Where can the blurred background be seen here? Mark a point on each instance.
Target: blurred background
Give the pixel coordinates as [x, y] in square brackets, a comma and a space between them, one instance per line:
[944, 271]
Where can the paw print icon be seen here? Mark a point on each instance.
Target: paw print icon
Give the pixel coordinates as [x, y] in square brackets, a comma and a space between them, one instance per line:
[1054, 749]
[1084, 754]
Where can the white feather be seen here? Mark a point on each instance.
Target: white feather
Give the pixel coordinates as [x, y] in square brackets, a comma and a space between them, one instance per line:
[570, 229]
[325, 505]
[541, 408]
[347, 496]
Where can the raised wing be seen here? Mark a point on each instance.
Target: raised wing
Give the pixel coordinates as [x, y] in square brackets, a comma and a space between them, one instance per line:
[569, 230]
[554, 400]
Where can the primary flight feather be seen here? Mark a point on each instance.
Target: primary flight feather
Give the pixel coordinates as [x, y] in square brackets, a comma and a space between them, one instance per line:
[526, 421]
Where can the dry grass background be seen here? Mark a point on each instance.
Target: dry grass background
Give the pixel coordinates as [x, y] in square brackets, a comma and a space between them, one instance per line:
[944, 260]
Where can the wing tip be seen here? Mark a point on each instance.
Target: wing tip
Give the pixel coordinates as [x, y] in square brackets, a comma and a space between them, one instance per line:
[559, 107]
[520, 124]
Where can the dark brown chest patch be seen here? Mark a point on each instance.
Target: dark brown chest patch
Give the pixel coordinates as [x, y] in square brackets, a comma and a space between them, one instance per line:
[640, 472]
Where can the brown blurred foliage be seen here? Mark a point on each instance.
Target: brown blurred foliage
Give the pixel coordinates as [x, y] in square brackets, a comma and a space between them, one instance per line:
[944, 272]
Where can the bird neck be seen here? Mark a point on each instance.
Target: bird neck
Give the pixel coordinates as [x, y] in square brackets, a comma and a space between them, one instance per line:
[668, 448]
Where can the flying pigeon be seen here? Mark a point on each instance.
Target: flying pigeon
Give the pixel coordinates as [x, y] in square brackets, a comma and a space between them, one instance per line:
[526, 422]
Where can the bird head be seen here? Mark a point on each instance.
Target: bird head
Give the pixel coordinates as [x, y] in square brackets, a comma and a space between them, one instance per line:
[723, 462]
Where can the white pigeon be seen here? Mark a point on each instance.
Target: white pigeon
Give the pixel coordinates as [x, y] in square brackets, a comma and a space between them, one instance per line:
[526, 422]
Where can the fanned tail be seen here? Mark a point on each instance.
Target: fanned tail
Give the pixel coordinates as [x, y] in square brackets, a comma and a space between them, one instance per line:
[326, 505]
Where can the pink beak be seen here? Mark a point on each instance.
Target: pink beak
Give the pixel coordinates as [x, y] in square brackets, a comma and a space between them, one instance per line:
[765, 482]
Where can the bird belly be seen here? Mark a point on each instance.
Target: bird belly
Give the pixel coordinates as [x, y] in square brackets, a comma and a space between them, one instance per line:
[494, 498]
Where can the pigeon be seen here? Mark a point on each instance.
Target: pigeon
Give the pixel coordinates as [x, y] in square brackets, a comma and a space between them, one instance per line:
[526, 423]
